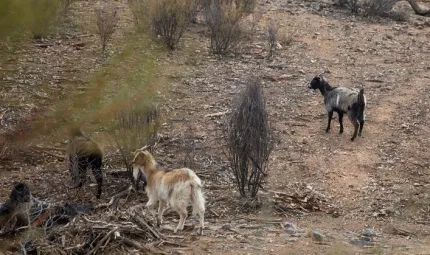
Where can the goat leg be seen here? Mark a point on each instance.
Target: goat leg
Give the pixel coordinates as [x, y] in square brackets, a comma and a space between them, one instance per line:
[356, 125]
[330, 116]
[340, 114]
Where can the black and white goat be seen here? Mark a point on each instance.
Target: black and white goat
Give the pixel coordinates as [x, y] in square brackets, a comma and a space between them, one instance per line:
[342, 100]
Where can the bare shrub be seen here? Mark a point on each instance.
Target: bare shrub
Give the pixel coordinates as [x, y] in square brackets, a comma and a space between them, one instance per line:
[272, 37]
[368, 7]
[377, 7]
[225, 28]
[399, 15]
[167, 19]
[249, 139]
[134, 127]
[255, 18]
[107, 21]
[246, 6]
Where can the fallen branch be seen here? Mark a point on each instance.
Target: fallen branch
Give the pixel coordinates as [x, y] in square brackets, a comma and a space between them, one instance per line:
[127, 191]
[139, 246]
[142, 223]
[217, 114]
[93, 251]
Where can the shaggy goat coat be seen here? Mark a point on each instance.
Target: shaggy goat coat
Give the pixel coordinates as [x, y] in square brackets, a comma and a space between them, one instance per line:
[83, 153]
[342, 100]
[178, 188]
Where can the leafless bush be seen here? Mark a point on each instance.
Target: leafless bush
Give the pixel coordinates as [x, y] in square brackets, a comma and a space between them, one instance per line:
[249, 139]
[167, 19]
[246, 6]
[272, 37]
[399, 15]
[368, 7]
[107, 21]
[377, 7]
[133, 128]
[226, 31]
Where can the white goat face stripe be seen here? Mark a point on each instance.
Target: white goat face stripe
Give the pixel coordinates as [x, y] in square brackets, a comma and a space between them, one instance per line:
[136, 172]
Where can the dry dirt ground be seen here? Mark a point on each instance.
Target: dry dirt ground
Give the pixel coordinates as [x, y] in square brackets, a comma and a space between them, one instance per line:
[381, 181]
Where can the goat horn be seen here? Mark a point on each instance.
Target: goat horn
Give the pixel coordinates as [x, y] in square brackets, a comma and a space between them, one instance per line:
[143, 148]
[321, 73]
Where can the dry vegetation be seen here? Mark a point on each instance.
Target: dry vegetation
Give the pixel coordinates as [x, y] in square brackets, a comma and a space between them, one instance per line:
[318, 195]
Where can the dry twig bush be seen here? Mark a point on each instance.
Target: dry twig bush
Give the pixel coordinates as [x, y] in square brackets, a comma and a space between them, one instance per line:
[107, 21]
[272, 37]
[249, 140]
[226, 31]
[167, 19]
[133, 128]
[377, 7]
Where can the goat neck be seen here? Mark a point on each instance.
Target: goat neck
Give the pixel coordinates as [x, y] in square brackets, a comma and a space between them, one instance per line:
[149, 166]
[324, 87]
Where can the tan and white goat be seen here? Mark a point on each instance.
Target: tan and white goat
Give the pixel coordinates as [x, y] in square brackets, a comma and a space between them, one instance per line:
[178, 188]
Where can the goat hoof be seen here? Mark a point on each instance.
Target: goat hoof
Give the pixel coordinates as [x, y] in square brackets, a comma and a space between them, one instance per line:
[352, 139]
[341, 132]
[327, 130]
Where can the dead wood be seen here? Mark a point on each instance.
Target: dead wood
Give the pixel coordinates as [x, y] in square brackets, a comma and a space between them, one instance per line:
[111, 201]
[141, 247]
[142, 223]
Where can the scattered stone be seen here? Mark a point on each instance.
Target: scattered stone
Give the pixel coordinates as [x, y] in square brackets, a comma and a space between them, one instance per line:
[317, 236]
[369, 232]
[361, 243]
[227, 226]
[290, 228]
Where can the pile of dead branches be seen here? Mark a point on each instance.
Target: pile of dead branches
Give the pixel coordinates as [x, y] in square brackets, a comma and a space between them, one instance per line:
[70, 228]
[106, 232]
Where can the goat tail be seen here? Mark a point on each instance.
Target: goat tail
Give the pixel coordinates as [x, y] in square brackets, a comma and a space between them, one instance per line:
[197, 198]
[361, 101]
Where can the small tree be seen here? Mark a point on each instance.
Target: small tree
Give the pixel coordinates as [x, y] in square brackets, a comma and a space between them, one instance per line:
[249, 140]
[107, 21]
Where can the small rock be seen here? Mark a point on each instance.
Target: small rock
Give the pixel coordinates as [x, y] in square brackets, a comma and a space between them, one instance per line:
[361, 243]
[227, 226]
[289, 227]
[317, 236]
[369, 232]
[291, 240]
